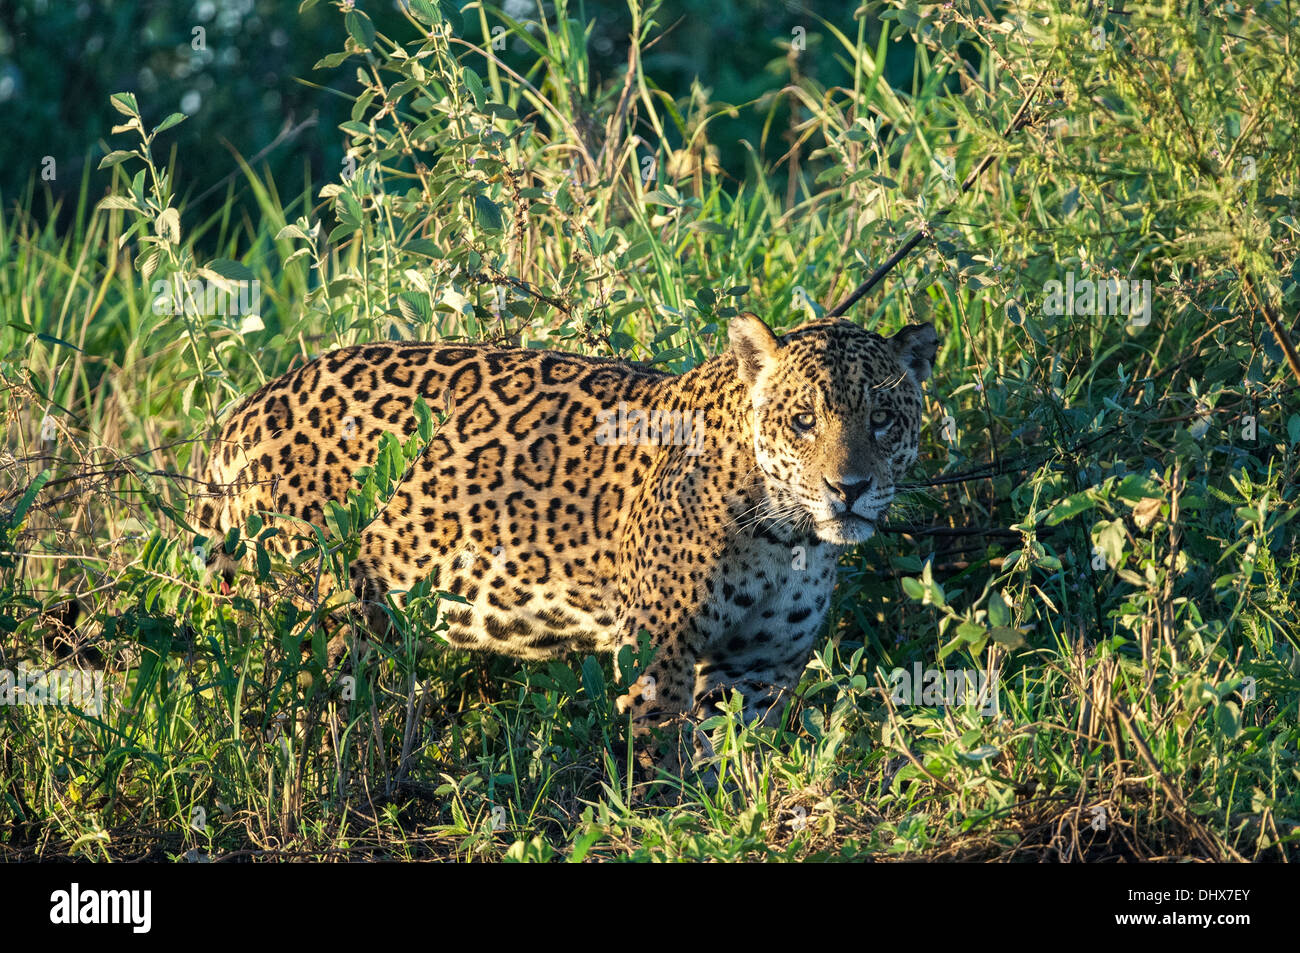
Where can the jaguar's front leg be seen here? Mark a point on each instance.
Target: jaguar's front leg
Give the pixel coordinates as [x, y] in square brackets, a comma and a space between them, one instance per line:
[660, 703]
[764, 667]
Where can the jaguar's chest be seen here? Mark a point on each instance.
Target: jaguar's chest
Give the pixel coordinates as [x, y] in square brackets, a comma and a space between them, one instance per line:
[762, 585]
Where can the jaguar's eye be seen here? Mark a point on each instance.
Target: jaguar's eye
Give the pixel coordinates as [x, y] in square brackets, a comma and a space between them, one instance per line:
[804, 422]
[881, 419]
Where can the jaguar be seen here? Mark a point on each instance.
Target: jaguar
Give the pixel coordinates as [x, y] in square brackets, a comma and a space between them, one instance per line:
[577, 504]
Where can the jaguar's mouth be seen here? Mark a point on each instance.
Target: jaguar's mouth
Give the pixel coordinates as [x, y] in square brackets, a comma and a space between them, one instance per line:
[846, 529]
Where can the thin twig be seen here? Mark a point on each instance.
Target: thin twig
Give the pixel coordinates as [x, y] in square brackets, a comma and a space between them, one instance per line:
[1275, 325]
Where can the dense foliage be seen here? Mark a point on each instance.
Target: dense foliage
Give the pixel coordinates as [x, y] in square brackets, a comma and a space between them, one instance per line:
[1100, 526]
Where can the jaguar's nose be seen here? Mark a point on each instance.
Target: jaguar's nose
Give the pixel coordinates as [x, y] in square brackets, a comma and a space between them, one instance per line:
[848, 489]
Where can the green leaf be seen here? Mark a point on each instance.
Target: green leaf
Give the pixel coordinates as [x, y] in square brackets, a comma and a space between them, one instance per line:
[361, 29]
[999, 611]
[1228, 718]
[424, 419]
[1108, 537]
[621, 341]
[175, 119]
[331, 60]
[232, 270]
[475, 87]
[488, 212]
[658, 197]
[952, 645]
[119, 202]
[116, 157]
[450, 13]
[814, 722]
[1071, 506]
[125, 104]
[424, 246]
[593, 678]
[583, 843]
[1135, 487]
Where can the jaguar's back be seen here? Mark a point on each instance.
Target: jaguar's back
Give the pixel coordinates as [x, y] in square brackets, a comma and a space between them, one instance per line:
[518, 501]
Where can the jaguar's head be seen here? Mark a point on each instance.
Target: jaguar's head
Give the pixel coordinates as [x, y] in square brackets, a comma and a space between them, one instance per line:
[837, 418]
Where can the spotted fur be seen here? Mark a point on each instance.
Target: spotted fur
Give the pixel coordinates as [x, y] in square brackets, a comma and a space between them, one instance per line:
[569, 520]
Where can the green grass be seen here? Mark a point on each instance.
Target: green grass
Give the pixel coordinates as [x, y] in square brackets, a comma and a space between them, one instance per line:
[1100, 521]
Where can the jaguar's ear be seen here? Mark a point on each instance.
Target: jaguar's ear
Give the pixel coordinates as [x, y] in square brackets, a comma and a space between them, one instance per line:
[754, 344]
[915, 347]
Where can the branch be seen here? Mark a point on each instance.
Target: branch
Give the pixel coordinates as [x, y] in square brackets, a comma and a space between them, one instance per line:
[1275, 325]
[1018, 122]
